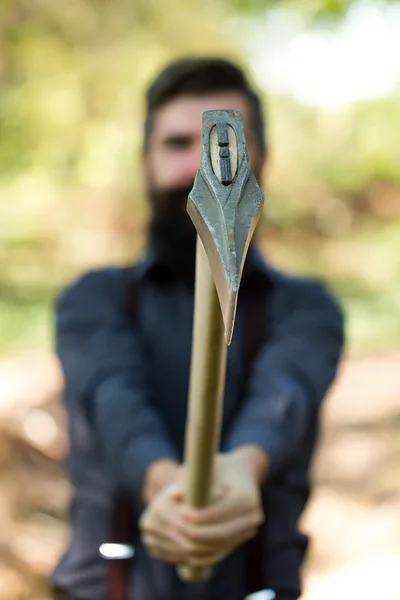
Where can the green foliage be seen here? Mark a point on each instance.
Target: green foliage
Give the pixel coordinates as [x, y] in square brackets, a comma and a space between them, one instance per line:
[72, 76]
[313, 9]
[26, 319]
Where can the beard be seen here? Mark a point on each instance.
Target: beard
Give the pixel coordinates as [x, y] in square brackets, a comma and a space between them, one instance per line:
[172, 235]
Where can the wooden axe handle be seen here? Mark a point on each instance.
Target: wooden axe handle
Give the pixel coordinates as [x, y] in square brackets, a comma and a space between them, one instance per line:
[207, 384]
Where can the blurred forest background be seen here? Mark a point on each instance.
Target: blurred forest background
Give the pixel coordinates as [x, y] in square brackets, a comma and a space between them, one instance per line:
[72, 80]
[71, 115]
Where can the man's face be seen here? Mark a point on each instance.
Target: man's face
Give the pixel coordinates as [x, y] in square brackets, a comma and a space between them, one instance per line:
[173, 155]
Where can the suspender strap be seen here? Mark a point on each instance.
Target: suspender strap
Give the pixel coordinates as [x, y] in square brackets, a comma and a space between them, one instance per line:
[255, 334]
[122, 520]
[118, 572]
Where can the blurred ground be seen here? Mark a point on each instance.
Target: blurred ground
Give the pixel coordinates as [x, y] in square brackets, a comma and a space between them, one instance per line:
[354, 514]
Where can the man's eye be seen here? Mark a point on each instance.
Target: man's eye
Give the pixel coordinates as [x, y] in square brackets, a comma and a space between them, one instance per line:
[177, 143]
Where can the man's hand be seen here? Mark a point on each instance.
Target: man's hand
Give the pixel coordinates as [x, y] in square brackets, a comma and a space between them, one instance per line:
[159, 474]
[236, 516]
[175, 533]
[162, 521]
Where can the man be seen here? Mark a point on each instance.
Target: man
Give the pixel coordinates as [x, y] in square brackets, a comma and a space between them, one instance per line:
[124, 338]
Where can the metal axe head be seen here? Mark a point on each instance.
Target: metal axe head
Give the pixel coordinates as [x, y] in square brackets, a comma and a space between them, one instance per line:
[225, 205]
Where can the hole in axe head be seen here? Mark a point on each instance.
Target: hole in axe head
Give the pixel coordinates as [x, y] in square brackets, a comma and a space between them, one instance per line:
[223, 150]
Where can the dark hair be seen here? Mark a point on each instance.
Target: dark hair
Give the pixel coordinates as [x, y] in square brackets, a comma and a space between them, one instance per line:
[200, 76]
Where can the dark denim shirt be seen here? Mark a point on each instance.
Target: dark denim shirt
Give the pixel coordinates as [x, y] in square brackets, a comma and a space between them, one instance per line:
[126, 392]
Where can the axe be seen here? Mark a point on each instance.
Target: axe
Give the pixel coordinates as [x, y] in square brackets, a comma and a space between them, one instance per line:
[225, 205]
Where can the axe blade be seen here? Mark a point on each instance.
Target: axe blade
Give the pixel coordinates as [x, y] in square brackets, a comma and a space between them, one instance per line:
[225, 205]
